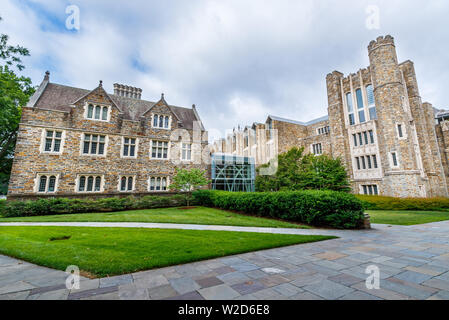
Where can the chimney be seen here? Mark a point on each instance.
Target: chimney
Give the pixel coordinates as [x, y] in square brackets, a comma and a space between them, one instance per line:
[127, 91]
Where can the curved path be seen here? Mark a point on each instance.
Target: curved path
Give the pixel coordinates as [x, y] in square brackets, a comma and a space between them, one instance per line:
[325, 232]
[413, 262]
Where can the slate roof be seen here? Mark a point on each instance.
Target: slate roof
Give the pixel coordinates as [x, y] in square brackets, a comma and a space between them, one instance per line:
[60, 97]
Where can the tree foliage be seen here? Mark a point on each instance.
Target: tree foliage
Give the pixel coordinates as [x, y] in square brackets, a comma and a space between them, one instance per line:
[15, 91]
[188, 181]
[300, 171]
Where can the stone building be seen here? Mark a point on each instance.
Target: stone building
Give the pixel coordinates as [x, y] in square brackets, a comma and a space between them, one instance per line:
[389, 140]
[76, 143]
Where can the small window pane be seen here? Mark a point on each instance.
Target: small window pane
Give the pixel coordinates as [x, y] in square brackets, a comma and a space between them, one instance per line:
[105, 113]
[97, 183]
[90, 111]
[362, 116]
[358, 94]
[372, 113]
[48, 143]
[52, 184]
[97, 112]
[82, 184]
[123, 184]
[370, 95]
[42, 183]
[90, 183]
[349, 102]
[57, 145]
[130, 183]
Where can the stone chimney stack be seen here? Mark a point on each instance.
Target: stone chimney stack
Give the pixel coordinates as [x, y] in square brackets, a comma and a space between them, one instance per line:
[127, 91]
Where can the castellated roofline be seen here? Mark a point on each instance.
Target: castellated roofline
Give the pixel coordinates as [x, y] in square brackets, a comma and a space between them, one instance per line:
[381, 41]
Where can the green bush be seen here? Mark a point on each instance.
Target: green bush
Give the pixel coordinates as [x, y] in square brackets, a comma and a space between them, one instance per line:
[55, 206]
[317, 208]
[390, 203]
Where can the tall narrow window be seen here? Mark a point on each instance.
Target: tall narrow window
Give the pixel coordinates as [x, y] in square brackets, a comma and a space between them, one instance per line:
[371, 102]
[97, 112]
[358, 162]
[394, 159]
[365, 190]
[400, 133]
[360, 138]
[365, 135]
[52, 184]
[374, 161]
[368, 159]
[158, 184]
[350, 108]
[155, 120]
[53, 141]
[360, 105]
[97, 184]
[355, 140]
[376, 191]
[90, 111]
[104, 114]
[82, 184]
[363, 162]
[43, 183]
[371, 136]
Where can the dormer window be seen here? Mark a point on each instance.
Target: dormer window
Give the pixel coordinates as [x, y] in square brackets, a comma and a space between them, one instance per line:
[96, 112]
[161, 121]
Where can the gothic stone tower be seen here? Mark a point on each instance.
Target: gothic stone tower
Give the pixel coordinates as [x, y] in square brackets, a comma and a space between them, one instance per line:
[405, 129]
[381, 129]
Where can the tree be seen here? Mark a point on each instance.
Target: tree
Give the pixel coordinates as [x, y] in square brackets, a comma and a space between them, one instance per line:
[188, 181]
[299, 171]
[15, 92]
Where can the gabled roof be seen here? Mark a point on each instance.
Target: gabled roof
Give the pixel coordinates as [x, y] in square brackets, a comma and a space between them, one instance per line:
[59, 97]
[324, 118]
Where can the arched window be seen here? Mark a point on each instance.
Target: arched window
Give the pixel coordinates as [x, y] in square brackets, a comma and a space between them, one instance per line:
[90, 111]
[42, 183]
[97, 112]
[164, 184]
[155, 120]
[97, 183]
[52, 184]
[123, 184]
[104, 115]
[82, 184]
[90, 183]
[130, 183]
[161, 122]
[360, 106]
[166, 122]
[158, 184]
[152, 184]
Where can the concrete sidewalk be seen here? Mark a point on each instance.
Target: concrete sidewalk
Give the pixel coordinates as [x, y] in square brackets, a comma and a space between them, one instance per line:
[413, 263]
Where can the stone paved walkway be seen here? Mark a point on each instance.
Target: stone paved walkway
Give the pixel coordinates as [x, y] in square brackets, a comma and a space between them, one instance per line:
[413, 262]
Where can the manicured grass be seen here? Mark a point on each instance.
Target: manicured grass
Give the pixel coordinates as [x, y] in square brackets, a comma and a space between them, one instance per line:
[198, 215]
[407, 218]
[113, 251]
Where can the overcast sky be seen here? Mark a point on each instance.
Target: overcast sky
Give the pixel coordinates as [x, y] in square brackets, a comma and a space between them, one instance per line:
[238, 61]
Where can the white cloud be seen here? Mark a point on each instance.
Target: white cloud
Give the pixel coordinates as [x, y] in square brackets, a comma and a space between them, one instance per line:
[238, 61]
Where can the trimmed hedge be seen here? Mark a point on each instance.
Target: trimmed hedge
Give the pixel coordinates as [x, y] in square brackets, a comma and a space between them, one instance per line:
[318, 208]
[56, 206]
[390, 203]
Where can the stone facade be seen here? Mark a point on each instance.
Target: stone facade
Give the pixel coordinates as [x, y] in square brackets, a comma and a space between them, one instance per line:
[387, 137]
[128, 122]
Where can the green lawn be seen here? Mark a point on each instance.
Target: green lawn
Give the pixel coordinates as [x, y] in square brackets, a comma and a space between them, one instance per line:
[199, 215]
[406, 218]
[112, 251]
